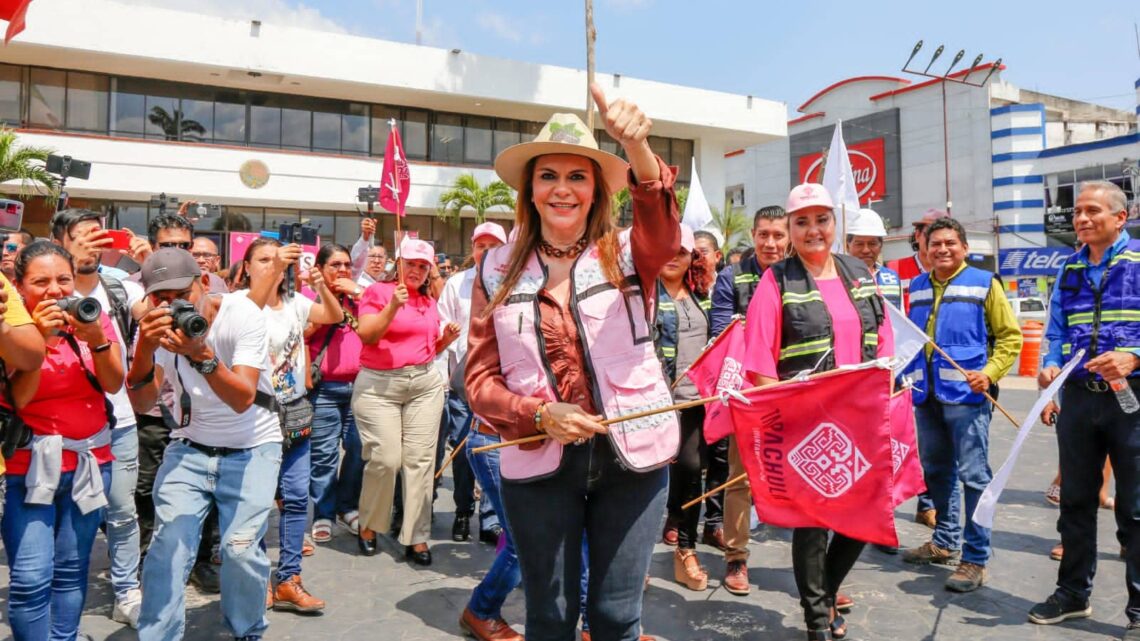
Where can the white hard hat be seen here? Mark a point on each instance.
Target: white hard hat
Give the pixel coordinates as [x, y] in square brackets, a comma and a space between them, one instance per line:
[866, 223]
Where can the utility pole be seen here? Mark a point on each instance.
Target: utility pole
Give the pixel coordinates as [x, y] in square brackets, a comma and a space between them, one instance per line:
[591, 37]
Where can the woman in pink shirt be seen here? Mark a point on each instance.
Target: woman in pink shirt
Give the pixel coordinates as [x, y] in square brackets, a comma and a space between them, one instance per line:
[815, 311]
[397, 400]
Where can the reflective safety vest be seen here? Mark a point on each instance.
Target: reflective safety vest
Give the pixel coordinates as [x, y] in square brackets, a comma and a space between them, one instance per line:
[960, 330]
[745, 278]
[890, 286]
[666, 338]
[806, 328]
[616, 333]
[1104, 318]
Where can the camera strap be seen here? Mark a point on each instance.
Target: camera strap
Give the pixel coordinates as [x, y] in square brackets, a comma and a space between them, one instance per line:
[7, 382]
[91, 378]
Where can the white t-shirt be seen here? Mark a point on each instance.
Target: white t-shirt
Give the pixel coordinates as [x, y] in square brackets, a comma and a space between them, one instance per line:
[288, 357]
[237, 336]
[124, 413]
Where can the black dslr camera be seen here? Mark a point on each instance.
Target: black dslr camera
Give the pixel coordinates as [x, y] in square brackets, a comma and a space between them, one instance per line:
[187, 318]
[84, 310]
[14, 433]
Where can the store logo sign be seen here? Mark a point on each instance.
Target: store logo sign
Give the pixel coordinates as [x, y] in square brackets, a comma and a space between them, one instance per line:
[867, 165]
[1043, 261]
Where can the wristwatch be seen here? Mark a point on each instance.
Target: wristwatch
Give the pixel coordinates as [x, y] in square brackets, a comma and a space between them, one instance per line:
[205, 367]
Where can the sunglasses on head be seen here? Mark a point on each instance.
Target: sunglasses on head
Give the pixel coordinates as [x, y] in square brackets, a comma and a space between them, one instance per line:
[168, 245]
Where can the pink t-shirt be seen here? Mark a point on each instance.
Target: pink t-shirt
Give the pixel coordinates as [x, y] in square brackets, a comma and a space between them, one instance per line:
[412, 334]
[765, 320]
[342, 358]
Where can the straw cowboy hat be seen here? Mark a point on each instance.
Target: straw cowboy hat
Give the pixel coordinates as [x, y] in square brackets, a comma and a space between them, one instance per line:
[563, 134]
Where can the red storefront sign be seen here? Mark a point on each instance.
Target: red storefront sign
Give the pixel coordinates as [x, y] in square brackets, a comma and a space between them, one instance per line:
[867, 163]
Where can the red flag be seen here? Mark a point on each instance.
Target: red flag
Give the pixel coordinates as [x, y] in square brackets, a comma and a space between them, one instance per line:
[905, 464]
[818, 454]
[718, 368]
[14, 11]
[395, 179]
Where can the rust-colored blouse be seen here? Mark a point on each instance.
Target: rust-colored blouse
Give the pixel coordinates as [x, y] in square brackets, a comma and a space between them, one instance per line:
[655, 239]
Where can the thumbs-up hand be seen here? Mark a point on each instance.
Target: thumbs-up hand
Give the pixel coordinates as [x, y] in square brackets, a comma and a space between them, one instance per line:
[623, 120]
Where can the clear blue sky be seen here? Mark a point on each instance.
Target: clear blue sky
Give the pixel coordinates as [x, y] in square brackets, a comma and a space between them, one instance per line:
[784, 51]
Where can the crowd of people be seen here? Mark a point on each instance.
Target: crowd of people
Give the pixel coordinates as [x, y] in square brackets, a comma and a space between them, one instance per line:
[175, 407]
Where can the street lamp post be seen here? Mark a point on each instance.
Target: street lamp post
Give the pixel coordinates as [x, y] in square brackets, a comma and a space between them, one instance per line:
[943, 78]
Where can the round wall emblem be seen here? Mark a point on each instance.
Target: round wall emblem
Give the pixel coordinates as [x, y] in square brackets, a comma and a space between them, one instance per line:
[254, 174]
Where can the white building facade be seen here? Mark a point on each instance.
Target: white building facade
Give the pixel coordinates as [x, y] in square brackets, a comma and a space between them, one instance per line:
[1002, 160]
[279, 124]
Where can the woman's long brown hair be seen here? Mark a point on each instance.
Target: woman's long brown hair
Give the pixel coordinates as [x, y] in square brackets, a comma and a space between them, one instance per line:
[600, 229]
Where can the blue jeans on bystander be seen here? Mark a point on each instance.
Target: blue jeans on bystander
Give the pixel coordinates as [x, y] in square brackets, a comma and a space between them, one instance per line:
[333, 425]
[122, 513]
[504, 576]
[293, 486]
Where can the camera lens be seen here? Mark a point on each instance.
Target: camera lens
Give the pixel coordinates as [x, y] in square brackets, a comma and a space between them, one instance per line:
[194, 325]
[84, 310]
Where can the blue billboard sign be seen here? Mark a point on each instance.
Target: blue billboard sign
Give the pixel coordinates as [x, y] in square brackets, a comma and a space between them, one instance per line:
[1032, 261]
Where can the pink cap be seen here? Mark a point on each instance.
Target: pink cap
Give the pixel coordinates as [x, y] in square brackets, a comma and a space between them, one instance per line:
[930, 216]
[415, 249]
[514, 235]
[495, 230]
[808, 195]
[688, 242]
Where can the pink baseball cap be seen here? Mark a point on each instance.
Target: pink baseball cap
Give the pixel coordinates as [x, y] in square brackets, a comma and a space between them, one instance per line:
[930, 216]
[688, 241]
[495, 230]
[808, 195]
[415, 249]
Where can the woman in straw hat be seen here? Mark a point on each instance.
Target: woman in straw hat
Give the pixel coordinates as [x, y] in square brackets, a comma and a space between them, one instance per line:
[561, 339]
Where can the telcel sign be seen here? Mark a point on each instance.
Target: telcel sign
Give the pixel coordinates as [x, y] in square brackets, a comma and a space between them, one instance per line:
[1038, 261]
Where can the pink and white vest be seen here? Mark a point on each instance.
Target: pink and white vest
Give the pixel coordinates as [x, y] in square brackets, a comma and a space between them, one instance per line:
[623, 369]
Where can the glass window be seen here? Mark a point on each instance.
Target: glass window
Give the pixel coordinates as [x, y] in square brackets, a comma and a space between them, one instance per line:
[506, 134]
[296, 128]
[130, 216]
[477, 140]
[197, 115]
[323, 221]
[660, 146]
[242, 219]
[162, 116]
[229, 117]
[11, 79]
[47, 91]
[381, 114]
[682, 157]
[530, 130]
[326, 131]
[128, 107]
[1090, 173]
[265, 126]
[414, 135]
[354, 129]
[447, 139]
[274, 218]
[87, 101]
[347, 228]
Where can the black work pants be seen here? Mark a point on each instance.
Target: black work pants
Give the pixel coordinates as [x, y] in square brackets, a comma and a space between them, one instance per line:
[819, 568]
[716, 475]
[685, 477]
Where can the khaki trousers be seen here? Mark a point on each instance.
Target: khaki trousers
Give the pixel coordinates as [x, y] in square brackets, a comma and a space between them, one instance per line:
[397, 414]
[737, 508]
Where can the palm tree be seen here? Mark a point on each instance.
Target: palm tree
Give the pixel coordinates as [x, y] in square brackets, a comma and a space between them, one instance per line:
[175, 126]
[732, 224]
[467, 193]
[27, 165]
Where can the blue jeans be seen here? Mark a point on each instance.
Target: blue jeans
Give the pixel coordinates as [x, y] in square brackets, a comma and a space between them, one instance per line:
[953, 444]
[456, 423]
[49, 550]
[122, 515]
[618, 510]
[504, 576]
[333, 423]
[293, 486]
[242, 485]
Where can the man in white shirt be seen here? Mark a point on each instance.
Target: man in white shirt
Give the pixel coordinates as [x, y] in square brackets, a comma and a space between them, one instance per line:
[226, 451]
[368, 261]
[80, 232]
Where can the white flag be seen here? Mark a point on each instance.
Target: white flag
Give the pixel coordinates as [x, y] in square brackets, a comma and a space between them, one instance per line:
[839, 181]
[909, 338]
[987, 504]
[697, 214]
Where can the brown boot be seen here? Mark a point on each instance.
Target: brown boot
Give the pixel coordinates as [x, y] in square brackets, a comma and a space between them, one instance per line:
[687, 570]
[714, 536]
[929, 518]
[292, 595]
[736, 578]
[487, 629]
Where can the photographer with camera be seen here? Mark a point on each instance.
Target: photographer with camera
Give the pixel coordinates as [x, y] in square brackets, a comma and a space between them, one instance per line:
[56, 479]
[267, 262]
[226, 450]
[81, 232]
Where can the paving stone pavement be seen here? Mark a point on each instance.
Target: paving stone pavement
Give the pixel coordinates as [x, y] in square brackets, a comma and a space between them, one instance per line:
[384, 597]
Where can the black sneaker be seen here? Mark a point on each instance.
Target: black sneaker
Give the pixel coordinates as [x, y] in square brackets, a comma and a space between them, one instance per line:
[1054, 611]
[1132, 632]
[461, 528]
[490, 536]
[205, 576]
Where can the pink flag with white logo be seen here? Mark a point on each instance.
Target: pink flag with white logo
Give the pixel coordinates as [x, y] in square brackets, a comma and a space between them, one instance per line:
[907, 468]
[395, 179]
[717, 369]
[818, 454]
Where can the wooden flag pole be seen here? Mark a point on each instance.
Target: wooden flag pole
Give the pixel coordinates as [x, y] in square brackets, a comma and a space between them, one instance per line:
[451, 457]
[985, 393]
[716, 489]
